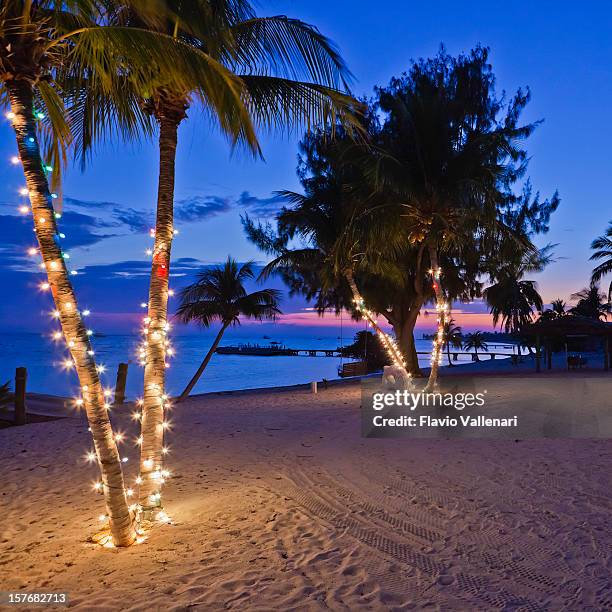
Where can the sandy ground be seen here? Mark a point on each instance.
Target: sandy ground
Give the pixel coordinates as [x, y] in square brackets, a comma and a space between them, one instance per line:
[279, 504]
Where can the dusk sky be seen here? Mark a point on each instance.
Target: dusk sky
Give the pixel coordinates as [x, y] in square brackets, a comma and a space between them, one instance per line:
[561, 50]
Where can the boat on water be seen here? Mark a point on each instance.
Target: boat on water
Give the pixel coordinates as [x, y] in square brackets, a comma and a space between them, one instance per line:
[270, 350]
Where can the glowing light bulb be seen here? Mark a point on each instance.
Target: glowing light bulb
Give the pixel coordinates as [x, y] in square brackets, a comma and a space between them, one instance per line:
[129, 492]
[55, 314]
[165, 450]
[138, 480]
[148, 463]
[102, 517]
[86, 313]
[170, 292]
[32, 251]
[10, 116]
[148, 252]
[57, 335]
[97, 486]
[143, 304]
[24, 191]
[68, 364]
[108, 392]
[119, 437]
[45, 286]
[89, 332]
[90, 352]
[100, 369]
[24, 210]
[78, 402]
[139, 440]
[14, 160]
[91, 457]
[124, 460]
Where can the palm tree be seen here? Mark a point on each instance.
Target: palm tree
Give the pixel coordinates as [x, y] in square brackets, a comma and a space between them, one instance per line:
[592, 303]
[556, 311]
[49, 50]
[475, 341]
[219, 295]
[511, 299]
[452, 337]
[603, 244]
[281, 72]
[558, 307]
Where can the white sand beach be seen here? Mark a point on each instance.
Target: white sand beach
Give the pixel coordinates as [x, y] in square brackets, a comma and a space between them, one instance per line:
[278, 503]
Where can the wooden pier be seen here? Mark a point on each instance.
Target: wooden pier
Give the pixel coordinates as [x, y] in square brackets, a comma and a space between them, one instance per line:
[302, 352]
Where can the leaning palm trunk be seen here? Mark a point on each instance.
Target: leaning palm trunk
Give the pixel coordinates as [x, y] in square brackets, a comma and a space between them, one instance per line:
[211, 352]
[169, 117]
[438, 341]
[73, 328]
[388, 343]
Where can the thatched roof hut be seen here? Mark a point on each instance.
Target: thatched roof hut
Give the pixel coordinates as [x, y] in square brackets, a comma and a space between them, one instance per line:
[567, 328]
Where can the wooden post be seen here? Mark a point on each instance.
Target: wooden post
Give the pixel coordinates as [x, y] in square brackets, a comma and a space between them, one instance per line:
[122, 371]
[538, 353]
[21, 375]
[549, 355]
[313, 387]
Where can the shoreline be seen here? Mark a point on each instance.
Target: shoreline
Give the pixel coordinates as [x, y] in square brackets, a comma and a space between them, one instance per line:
[483, 367]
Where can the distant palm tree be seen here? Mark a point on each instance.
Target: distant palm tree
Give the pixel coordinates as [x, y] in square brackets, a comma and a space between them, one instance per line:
[556, 311]
[219, 295]
[603, 244]
[558, 307]
[452, 337]
[475, 341]
[513, 300]
[591, 303]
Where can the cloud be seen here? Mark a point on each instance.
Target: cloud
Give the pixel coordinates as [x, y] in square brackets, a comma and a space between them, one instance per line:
[137, 221]
[89, 204]
[79, 230]
[260, 207]
[198, 208]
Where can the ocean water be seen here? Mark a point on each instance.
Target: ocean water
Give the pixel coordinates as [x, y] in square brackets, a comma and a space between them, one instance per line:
[43, 359]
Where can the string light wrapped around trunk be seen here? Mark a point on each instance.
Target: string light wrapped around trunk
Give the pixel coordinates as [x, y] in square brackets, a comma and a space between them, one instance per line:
[54, 261]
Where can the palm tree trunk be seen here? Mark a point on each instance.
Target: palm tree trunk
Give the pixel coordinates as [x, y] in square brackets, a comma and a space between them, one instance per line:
[448, 352]
[404, 332]
[441, 311]
[156, 331]
[204, 363]
[388, 343]
[73, 328]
